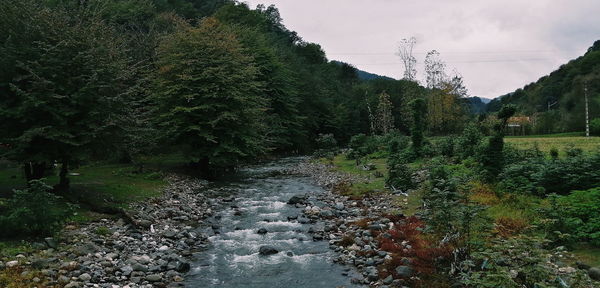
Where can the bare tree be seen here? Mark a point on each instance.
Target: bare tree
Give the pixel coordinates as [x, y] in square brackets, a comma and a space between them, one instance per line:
[405, 51]
[385, 119]
[434, 70]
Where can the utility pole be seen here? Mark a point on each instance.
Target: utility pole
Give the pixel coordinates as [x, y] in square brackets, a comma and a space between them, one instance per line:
[587, 112]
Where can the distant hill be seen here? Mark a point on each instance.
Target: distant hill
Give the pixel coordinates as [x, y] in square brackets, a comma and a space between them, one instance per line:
[557, 100]
[477, 105]
[363, 75]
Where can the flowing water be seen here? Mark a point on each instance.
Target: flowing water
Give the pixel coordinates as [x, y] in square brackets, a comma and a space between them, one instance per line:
[259, 197]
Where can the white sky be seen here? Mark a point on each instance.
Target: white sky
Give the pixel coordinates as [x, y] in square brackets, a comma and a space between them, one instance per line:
[497, 46]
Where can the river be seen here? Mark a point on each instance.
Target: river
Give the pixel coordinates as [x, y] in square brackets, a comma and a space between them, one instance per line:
[258, 200]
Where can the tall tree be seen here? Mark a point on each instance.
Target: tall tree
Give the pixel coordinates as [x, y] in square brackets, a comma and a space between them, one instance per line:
[385, 119]
[209, 96]
[405, 51]
[62, 84]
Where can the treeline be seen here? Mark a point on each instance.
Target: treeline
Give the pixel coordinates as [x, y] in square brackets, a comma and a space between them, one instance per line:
[119, 79]
[557, 101]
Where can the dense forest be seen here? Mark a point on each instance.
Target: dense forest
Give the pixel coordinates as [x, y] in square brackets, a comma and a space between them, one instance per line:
[556, 102]
[83, 79]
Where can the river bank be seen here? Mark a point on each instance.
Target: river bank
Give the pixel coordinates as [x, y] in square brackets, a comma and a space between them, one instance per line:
[161, 242]
[148, 247]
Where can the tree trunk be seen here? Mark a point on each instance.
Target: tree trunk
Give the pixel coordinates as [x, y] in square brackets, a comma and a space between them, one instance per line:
[63, 184]
[34, 170]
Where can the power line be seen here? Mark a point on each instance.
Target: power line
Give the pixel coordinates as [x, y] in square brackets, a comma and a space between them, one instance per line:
[468, 61]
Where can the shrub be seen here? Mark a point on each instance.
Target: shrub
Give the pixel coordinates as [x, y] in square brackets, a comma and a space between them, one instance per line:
[445, 147]
[468, 141]
[508, 226]
[399, 176]
[326, 143]
[519, 262]
[361, 145]
[581, 215]
[34, 211]
[595, 127]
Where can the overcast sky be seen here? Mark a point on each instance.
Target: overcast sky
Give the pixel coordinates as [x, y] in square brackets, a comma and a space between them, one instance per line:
[497, 46]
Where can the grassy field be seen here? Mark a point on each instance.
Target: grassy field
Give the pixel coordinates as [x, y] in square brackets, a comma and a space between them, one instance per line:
[545, 143]
[106, 184]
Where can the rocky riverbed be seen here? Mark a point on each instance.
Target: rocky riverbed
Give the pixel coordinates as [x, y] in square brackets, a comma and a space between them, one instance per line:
[348, 224]
[148, 247]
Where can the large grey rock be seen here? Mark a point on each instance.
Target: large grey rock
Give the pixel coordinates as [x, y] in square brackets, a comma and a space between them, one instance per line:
[153, 278]
[298, 199]
[85, 277]
[51, 242]
[267, 250]
[183, 267]
[594, 273]
[404, 271]
[139, 267]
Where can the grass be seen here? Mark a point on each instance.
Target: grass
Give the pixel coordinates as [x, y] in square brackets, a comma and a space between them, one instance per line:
[371, 184]
[545, 143]
[587, 254]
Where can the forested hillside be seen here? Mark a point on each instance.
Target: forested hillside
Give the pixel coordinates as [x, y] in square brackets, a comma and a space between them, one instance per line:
[220, 81]
[557, 100]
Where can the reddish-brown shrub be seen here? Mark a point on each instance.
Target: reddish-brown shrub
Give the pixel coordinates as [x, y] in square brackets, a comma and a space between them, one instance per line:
[423, 255]
[506, 226]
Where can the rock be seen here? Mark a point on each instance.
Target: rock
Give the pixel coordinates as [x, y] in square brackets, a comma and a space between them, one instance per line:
[267, 250]
[126, 270]
[11, 264]
[153, 278]
[163, 248]
[73, 285]
[85, 277]
[170, 234]
[403, 271]
[594, 273]
[582, 265]
[298, 199]
[183, 267]
[262, 231]
[144, 223]
[139, 267]
[51, 242]
[86, 249]
[388, 280]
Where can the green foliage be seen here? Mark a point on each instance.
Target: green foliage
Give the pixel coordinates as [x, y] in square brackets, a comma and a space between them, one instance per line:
[469, 140]
[362, 145]
[399, 174]
[581, 215]
[33, 211]
[63, 80]
[595, 127]
[492, 158]
[540, 176]
[445, 146]
[518, 262]
[208, 94]
[419, 109]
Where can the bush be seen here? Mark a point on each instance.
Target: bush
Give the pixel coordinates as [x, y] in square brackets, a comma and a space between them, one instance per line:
[361, 145]
[581, 215]
[326, 143]
[445, 147]
[34, 211]
[595, 127]
[468, 141]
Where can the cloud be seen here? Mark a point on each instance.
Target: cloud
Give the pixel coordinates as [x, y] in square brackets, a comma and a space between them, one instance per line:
[498, 46]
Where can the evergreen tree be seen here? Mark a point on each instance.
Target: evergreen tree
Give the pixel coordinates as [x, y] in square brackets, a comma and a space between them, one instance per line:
[62, 83]
[419, 109]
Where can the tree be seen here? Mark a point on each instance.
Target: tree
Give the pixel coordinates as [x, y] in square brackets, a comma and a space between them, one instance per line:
[434, 70]
[419, 108]
[208, 95]
[385, 119]
[493, 157]
[62, 80]
[405, 51]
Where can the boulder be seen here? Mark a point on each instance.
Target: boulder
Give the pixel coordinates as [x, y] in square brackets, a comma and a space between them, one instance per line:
[404, 271]
[594, 273]
[153, 278]
[51, 242]
[262, 231]
[267, 250]
[298, 199]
